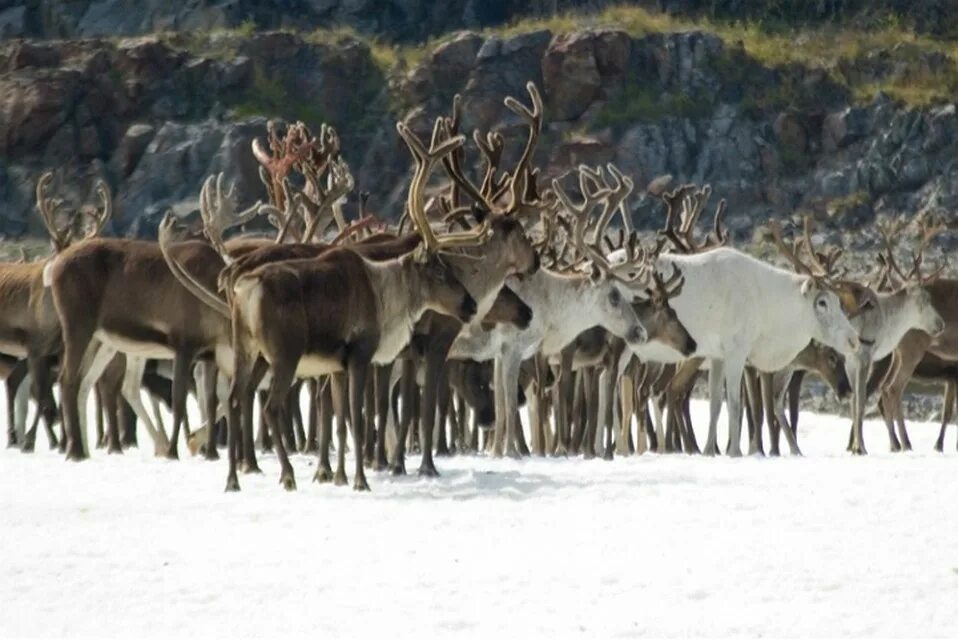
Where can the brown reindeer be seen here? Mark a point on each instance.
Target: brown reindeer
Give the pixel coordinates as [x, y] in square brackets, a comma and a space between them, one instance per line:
[29, 327]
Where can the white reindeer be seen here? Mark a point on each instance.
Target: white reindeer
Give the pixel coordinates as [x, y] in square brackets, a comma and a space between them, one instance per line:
[741, 310]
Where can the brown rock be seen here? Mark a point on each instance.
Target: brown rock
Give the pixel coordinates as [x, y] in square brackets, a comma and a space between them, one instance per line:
[612, 49]
[31, 109]
[790, 131]
[570, 75]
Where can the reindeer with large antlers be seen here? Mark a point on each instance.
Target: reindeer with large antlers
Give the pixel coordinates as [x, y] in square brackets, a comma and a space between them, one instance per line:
[881, 318]
[599, 299]
[741, 311]
[499, 204]
[115, 294]
[936, 336]
[29, 327]
[340, 312]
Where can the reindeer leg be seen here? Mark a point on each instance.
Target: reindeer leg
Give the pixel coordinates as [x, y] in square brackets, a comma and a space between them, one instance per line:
[770, 406]
[382, 375]
[716, 394]
[256, 375]
[340, 391]
[856, 368]
[20, 407]
[407, 390]
[283, 376]
[12, 385]
[130, 389]
[508, 363]
[755, 411]
[209, 384]
[444, 396]
[324, 407]
[948, 406]
[358, 367]
[312, 418]
[733, 388]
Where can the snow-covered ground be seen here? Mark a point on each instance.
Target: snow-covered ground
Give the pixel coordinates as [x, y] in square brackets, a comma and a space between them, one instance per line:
[132, 546]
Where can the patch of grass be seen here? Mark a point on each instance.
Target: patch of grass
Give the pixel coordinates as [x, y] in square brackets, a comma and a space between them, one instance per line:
[247, 28]
[838, 207]
[820, 47]
[268, 96]
[639, 103]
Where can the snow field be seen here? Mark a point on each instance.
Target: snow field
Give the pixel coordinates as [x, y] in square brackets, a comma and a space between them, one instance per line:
[133, 546]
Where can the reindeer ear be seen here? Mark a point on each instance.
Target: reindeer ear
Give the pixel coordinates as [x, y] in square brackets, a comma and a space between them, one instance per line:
[809, 287]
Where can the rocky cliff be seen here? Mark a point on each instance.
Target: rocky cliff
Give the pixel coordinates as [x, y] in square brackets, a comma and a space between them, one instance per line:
[154, 114]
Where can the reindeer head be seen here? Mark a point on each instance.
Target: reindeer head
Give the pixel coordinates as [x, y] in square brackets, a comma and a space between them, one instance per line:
[827, 363]
[472, 380]
[502, 200]
[913, 287]
[440, 289]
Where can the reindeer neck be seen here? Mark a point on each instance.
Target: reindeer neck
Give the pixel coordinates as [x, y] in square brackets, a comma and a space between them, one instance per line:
[396, 285]
[899, 314]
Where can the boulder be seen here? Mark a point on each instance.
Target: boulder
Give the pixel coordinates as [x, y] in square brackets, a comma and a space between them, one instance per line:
[843, 128]
[570, 75]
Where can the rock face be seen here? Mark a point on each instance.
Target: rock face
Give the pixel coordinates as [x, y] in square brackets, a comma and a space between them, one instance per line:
[154, 115]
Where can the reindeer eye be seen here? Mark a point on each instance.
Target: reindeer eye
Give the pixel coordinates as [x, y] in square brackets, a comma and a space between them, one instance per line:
[614, 297]
[822, 303]
[868, 304]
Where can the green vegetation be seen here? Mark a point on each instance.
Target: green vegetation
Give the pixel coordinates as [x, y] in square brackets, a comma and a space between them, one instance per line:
[835, 48]
[639, 103]
[839, 207]
[268, 96]
[825, 47]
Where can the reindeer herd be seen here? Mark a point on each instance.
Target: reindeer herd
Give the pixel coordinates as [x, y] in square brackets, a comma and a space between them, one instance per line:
[507, 288]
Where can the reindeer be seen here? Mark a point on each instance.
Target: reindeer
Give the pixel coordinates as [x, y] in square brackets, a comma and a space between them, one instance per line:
[598, 300]
[882, 318]
[29, 327]
[735, 307]
[918, 344]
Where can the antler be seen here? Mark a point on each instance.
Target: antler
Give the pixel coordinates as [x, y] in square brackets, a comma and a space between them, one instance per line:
[339, 183]
[416, 206]
[596, 190]
[49, 207]
[99, 216]
[283, 219]
[284, 153]
[218, 212]
[681, 232]
[890, 233]
[521, 175]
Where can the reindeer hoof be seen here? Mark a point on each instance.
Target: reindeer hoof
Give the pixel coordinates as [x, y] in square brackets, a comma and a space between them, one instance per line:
[250, 467]
[710, 450]
[398, 469]
[114, 448]
[232, 484]
[323, 475]
[340, 479]
[172, 454]
[76, 456]
[380, 465]
[288, 482]
[210, 453]
[360, 484]
[28, 447]
[428, 471]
